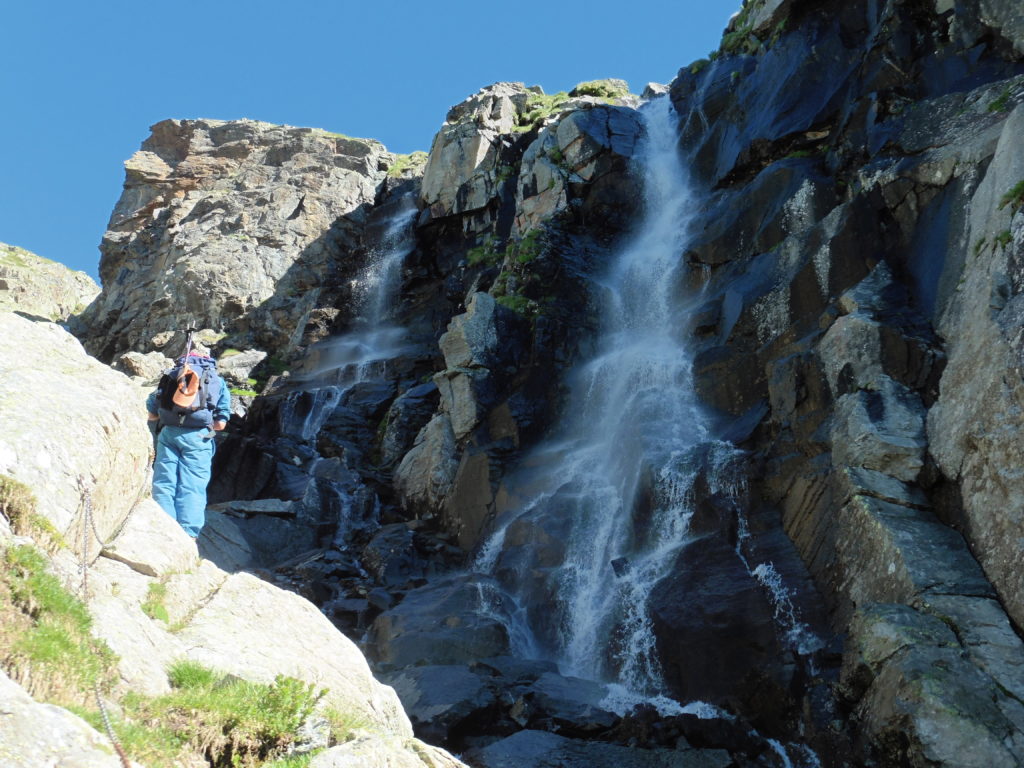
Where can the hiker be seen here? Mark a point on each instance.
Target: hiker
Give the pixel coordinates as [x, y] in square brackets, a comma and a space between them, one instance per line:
[190, 404]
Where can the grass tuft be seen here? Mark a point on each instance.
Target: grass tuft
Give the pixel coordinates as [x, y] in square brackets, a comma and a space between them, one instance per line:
[46, 643]
[413, 162]
[154, 604]
[1014, 198]
[1000, 102]
[604, 89]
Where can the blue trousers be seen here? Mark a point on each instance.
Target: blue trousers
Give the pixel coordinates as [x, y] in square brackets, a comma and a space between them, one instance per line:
[181, 473]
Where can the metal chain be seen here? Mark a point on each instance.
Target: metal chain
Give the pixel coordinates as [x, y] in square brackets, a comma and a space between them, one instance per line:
[89, 523]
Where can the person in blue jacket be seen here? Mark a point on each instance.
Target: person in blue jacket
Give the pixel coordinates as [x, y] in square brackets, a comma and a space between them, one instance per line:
[185, 444]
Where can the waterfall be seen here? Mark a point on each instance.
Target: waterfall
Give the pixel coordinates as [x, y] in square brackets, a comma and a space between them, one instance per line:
[363, 353]
[624, 460]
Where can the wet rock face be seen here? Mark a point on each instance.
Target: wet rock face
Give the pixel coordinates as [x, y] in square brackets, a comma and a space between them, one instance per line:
[236, 226]
[860, 279]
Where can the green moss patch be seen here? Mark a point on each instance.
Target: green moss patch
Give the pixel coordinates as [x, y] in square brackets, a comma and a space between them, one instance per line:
[603, 89]
[413, 162]
[154, 606]
[45, 639]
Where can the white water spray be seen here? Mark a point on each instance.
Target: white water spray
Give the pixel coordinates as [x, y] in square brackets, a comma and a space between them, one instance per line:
[635, 428]
[362, 353]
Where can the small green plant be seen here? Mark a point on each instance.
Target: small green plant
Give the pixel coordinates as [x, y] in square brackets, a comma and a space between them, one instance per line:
[413, 162]
[740, 38]
[979, 245]
[779, 30]
[231, 722]
[188, 674]
[699, 66]
[539, 107]
[485, 254]
[526, 249]
[243, 392]
[1001, 102]
[154, 604]
[1014, 198]
[1003, 238]
[515, 302]
[230, 352]
[798, 153]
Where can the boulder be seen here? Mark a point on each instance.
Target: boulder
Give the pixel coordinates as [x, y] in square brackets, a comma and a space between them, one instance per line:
[34, 734]
[442, 701]
[888, 552]
[464, 169]
[537, 749]
[385, 752]
[150, 543]
[236, 368]
[391, 557]
[408, 414]
[882, 428]
[569, 705]
[480, 337]
[454, 620]
[583, 155]
[40, 288]
[144, 368]
[714, 626]
[229, 226]
[238, 541]
[424, 477]
[91, 436]
[924, 702]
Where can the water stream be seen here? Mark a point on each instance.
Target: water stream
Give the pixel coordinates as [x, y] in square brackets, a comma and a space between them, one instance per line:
[374, 339]
[624, 461]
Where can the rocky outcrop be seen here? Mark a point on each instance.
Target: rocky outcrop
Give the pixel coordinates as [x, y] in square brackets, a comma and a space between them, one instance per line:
[42, 288]
[33, 734]
[974, 428]
[242, 227]
[88, 438]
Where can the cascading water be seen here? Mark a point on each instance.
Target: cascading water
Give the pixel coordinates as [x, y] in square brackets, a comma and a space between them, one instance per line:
[629, 450]
[364, 351]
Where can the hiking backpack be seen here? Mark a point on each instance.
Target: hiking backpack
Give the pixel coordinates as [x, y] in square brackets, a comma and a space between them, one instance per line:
[200, 413]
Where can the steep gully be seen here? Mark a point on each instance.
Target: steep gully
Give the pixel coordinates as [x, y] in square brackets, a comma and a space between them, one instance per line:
[616, 485]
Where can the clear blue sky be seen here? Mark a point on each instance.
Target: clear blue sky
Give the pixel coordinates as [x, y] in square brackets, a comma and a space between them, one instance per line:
[81, 82]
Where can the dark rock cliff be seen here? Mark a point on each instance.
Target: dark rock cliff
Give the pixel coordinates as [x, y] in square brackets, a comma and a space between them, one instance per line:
[858, 336]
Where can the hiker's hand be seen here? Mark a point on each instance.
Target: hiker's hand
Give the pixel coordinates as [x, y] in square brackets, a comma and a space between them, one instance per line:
[218, 426]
